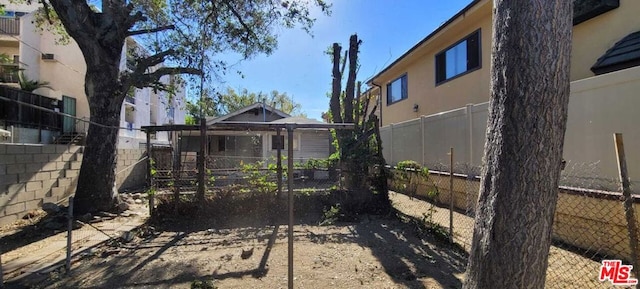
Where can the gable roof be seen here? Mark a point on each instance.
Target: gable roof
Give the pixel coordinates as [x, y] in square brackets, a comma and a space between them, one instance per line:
[247, 108]
[298, 120]
[624, 54]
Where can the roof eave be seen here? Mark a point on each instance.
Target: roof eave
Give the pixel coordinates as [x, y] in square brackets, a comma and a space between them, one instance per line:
[464, 10]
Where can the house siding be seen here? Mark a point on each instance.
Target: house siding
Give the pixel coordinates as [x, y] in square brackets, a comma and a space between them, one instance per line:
[315, 144]
[252, 116]
[591, 39]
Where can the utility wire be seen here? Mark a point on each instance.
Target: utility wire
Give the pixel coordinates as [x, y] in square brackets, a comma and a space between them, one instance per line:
[58, 61]
[64, 114]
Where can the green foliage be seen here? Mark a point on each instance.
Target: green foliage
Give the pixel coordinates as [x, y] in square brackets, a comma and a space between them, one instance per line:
[211, 179]
[189, 119]
[433, 227]
[307, 191]
[409, 174]
[332, 215]
[203, 284]
[48, 20]
[151, 192]
[409, 166]
[152, 168]
[4, 58]
[31, 85]
[206, 106]
[260, 181]
[231, 101]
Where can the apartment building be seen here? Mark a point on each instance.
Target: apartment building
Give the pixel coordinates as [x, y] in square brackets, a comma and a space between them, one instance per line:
[38, 56]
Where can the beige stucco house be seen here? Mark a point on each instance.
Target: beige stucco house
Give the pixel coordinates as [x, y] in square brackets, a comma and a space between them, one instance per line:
[38, 55]
[450, 67]
[435, 96]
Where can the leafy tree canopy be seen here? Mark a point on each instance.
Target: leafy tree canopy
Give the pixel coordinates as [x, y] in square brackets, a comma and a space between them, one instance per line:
[178, 37]
[233, 100]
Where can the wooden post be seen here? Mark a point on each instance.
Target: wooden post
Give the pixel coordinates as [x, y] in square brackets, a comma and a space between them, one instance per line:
[628, 203]
[451, 195]
[69, 230]
[290, 189]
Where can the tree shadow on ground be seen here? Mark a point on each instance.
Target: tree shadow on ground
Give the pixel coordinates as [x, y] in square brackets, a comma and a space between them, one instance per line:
[41, 227]
[408, 256]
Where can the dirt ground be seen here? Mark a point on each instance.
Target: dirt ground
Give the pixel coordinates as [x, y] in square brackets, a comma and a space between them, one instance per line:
[374, 252]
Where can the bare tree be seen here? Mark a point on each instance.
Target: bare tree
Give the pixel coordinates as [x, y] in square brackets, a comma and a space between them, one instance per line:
[523, 153]
[360, 150]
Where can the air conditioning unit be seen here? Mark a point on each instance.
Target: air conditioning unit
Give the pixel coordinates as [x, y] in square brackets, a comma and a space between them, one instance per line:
[48, 57]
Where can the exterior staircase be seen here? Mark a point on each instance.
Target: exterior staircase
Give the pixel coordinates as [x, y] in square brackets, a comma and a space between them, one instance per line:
[73, 138]
[67, 180]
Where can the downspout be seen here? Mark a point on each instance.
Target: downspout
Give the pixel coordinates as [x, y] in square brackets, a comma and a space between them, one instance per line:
[379, 100]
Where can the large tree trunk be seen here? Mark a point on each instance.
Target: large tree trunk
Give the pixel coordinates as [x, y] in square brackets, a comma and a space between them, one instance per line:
[96, 182]
[523, 153]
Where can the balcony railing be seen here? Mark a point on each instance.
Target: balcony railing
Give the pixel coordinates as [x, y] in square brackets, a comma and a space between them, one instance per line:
[9, 73]
[130, 99]
[12, 113]
[10, 26]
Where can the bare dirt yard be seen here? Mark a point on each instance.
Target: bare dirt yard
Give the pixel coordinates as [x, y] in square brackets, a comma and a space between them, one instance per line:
[389, 251]
[242, 248]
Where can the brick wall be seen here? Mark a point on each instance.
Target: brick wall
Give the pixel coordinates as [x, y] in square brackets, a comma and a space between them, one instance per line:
[31, 175]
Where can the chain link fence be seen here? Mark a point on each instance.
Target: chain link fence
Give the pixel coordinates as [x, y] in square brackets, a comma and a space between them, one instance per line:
[233, 179]
[589, 224]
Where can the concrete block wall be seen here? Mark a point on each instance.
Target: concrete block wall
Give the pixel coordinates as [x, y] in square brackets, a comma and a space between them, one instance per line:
[131, 169]
[33, 174]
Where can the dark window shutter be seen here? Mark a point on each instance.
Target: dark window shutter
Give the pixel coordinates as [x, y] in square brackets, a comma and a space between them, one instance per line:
[405, 88]
[441, 67]
[473, 51]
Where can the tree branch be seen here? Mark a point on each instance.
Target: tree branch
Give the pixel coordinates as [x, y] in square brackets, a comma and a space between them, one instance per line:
[152, 60]
[76, 16]
[47, 10]
[144, 80]
[239, 17]
[152, 30]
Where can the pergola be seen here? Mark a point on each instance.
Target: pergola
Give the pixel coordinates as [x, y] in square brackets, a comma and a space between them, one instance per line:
[252, 126]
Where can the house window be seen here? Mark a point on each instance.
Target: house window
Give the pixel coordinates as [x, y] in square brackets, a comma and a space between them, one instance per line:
[221, 143]
[280, 142]
[397, 90]
[460, 58]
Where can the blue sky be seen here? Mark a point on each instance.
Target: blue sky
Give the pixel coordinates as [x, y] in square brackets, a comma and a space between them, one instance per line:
[299, 67]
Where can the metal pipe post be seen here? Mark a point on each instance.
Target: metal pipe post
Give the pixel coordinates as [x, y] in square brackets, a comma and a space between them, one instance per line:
[451, 195]
[290, 189]
[69, 230]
